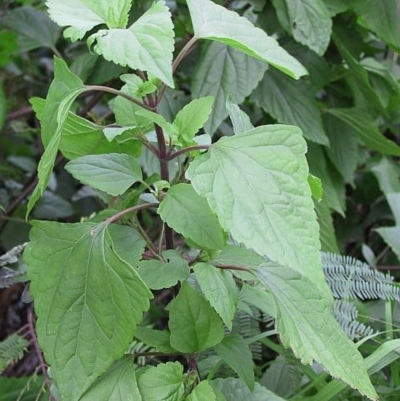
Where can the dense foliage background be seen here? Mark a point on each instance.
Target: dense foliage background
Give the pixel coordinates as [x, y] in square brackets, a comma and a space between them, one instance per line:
[348, 108]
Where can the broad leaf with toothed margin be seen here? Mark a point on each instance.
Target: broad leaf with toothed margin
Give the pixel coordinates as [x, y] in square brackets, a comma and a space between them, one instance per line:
[256, 183]
[214, 22]
[146, 45]
[88, 300]
[113, 173]
[306, 324]
[83, 15]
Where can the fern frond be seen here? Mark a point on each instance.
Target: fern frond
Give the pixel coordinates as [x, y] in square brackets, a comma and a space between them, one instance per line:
[10, 276]
[12, 256]
[349, 278]
[11, 350]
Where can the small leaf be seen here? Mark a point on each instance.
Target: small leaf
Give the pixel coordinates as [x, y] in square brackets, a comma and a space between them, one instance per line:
[117, 384]
[214, 22]
[308, 21]
[224, 71]
[236, 353]
[189, 214]
[162, 383]
[326, 228]
[88, 300]
[268, 166]
[202, 392]
[240, 120]
[316, 187]
[291, 102]
[193, 323]
[146, 45]
[220, 290]
[112, 173]
[306, 324]
[236, 256]
[82, 15]
[158, 275]
[366, 130]
[193, 117]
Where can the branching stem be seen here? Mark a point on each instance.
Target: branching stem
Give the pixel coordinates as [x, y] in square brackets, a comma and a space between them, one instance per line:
[132, 209]
[185, 150]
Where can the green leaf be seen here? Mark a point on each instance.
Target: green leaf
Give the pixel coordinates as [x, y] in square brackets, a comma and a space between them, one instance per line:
[87, 299]
[240, 120]
[80, 137]
[320, 168]
[112, 173]
[391, 236]
[366, 129]
[308, 21]
[258, 297]
[337, 6]
[373, 12]
[22, 389]
[159, 339]
[189, 214]
[267, 166]
[236, 353]
[360, 75]
[193, 323]
[214, 22]
[117, 384]
[35, 29]
[202, 392]
[224, 71]
[162, 383]
[236, 256]
[158, 275]
[193, 117]
[306, 324]
[316, 187]
[343, 149]
[220, 290]
[62, 92]
[83, 15]
[326, 228]
[146, 45]
[235, 390]
[291, 102]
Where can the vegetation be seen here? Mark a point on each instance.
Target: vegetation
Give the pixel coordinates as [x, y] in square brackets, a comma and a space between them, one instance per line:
[171, 184]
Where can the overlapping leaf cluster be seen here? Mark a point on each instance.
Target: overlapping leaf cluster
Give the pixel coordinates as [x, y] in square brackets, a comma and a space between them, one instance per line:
[212, 217]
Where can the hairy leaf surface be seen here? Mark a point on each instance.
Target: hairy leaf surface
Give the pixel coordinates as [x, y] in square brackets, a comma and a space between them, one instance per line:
[306, 324]
[87, 299]
[146, 45]
[256, 182]
[83, 15]
[214, 22]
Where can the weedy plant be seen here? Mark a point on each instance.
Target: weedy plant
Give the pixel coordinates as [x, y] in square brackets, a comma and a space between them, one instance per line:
[198, 231]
